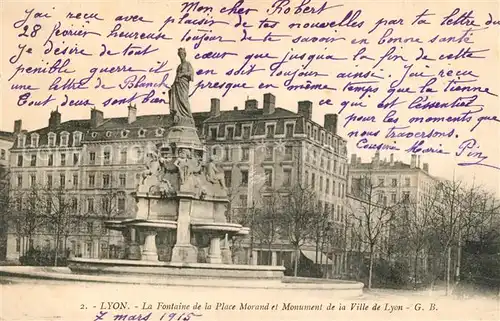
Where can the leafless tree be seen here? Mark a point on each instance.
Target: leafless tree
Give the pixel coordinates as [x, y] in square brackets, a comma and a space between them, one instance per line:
[267, 220]
[111, 196]
[60, 217]
[298, 217]
[26, 215]
[371, 218]
[4, 209]
[413, 227]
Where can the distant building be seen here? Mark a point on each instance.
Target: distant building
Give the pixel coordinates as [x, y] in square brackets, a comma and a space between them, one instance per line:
[381, 186]
[6, 141]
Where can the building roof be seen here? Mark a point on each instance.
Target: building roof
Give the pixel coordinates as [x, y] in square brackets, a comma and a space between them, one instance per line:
[251, 115]
[398, 165]
[8, 136]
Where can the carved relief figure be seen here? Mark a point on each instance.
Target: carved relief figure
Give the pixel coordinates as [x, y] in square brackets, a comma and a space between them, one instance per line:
[214, 174]
[153, 166]
[182, 164]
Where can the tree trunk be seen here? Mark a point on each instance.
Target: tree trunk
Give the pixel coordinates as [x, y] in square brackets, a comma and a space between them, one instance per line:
[108, 254]
[448, 268]
[56, 250]
[459, 259]
[270, 251]
[370, 269]
[296, 263]
[415, 268]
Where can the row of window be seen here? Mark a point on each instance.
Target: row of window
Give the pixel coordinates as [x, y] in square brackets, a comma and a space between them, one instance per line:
[266, 178]
[316, 134]
[335, 188]
[229, 134]
[109, 205]
[394, 182]
[33, 160]
[382, 198]
[106, 180]
[51, 142]
[338, 167]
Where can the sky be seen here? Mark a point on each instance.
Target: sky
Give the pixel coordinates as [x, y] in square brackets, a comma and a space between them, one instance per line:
[338, 58]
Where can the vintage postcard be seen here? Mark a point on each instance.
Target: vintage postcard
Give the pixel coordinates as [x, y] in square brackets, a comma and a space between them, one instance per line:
[249, 160]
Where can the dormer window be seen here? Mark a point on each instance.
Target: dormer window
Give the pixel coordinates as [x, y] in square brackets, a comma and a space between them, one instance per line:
[229, 132]
[124, 133]
[159, 132]
[77, 138]
[289, 130]
[142, 132]
[270, 131]
[213, 133]
[94, 135]
[21, 141]
[108, 134]
[64, 139]
[34, 140]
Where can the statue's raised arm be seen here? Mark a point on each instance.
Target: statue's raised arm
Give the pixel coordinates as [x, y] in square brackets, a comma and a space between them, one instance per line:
[179, 92]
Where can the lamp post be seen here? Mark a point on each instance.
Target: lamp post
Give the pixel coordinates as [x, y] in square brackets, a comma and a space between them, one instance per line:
[252, 209]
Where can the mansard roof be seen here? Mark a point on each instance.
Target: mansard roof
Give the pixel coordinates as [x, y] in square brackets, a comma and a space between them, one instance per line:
[7, 136]
[251, 115]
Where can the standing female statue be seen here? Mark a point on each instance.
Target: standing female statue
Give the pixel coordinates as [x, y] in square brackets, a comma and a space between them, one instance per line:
[179, 92]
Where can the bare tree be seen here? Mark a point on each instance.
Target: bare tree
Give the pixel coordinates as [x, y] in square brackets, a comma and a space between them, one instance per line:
[267, 220]
[26, 215]
[4, 209]
[298, 217]
[60, 217]
[112, 205]
[413, 227]
[371, 217]
[446, 220]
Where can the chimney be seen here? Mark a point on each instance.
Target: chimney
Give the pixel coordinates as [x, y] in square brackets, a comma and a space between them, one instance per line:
[376, 160]
[251, 104]
[96, 118]
[331, 123]
[55, 118]
[214, 107]
[418, 161]
[359, 160]
[426, 167]
[353, 159]
[269, 104]
[305, 109]
[235, 108]
[18, 126]
[413, 163]
[132, 113]
[392, 160]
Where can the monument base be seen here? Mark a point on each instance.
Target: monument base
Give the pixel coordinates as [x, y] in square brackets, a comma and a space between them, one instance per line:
[184, 253]
[226, 256]
[150, 256]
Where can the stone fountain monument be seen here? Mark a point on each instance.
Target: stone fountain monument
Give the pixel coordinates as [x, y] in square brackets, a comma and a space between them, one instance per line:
[182, 198]
[181, 203]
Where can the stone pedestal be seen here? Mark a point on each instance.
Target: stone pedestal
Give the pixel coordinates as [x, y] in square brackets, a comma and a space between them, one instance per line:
[184, 251]
[149, 252]
[226, 252]
[214, 255]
